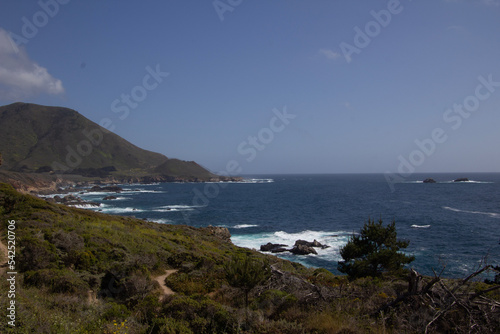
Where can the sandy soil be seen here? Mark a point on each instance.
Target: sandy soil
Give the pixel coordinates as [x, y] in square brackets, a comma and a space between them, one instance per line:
[161, 279]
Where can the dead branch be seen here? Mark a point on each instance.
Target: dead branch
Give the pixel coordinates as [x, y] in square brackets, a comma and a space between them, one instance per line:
[465, 280]
[477, 294]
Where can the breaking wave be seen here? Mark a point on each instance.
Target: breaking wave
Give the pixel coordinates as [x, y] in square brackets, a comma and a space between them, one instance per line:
[244, 226]
[333, 239]
[173, 208]
[491, 214]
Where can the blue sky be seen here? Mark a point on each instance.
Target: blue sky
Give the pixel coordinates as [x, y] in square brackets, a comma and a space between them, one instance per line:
[279, 86]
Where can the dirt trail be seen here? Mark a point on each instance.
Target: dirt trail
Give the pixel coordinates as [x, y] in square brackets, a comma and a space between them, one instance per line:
[161, 280]
[3, 258]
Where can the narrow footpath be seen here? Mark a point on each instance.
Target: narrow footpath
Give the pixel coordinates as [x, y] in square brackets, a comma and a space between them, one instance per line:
[161, 279]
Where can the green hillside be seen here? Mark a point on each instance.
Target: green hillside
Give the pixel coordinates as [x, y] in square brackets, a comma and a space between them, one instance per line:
[183, 169]
[34, 136]
[60, 141]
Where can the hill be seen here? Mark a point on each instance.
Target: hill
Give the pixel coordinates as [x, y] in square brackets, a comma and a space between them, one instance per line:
[60, 141]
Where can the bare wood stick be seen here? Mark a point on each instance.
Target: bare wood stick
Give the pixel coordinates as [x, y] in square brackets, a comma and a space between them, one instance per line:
[477, 294]
[440, 313]
[472, 276]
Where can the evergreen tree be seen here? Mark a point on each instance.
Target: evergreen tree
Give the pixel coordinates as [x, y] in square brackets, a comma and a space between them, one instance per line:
[245, 272]
[373, 251]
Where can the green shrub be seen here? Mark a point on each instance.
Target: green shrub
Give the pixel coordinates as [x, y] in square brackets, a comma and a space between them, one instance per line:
[245, 272]
[201, 313]
[280, 327]
[168, 325]
[36, 254]
[115, 311]
[274, 302]
[57, 280]
[374, 251]
[85, 260]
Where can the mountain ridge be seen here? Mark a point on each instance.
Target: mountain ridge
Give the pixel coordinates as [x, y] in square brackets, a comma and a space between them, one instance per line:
[60, 143]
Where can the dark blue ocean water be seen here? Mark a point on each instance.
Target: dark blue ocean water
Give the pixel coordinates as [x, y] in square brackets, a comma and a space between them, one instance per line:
[448, 224]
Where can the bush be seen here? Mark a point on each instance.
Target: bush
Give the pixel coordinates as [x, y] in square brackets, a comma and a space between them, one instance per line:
[57, 280]
[115, 311]
[170, 326]
[36, 254]
[245, 272]
[374, 251]
[274, 302]
[201, 313]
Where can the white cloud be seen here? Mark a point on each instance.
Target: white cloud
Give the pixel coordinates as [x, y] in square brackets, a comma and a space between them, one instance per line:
[20, 77]
[329, 54]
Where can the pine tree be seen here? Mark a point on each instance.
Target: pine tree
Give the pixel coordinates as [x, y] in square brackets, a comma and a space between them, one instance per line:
[245, 272]
[373, 251]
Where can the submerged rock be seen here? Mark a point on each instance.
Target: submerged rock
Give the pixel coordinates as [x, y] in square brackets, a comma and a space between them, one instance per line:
[429, 180]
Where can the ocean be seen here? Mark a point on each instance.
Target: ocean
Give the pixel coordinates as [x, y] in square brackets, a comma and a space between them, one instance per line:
[452, 226]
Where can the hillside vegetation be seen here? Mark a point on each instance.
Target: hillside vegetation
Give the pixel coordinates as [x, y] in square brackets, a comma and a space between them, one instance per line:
[85, 272]
[54, 143]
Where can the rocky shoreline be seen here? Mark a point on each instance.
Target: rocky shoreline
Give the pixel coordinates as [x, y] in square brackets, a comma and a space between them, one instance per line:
[48, 184]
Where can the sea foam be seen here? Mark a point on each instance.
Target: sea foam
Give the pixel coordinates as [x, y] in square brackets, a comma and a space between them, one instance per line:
[491, 214]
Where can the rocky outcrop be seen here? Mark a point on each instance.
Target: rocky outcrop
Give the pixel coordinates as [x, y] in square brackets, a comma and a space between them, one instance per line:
[220, 232]
[315, 243]
[429, 180]
[273, 248]
[302, 250]
[301, 247]
[462, 179]
[73, 200]
[109, 198]
[110, 189]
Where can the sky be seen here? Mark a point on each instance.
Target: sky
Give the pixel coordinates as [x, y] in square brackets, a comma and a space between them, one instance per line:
[284, 86]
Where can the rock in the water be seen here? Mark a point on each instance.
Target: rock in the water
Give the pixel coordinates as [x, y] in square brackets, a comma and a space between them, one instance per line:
[462, 179]
[108, 198]
[73, 200]
[270, 247]
[315, 243]
[279, 250]
[429, 180]
[301, 249]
